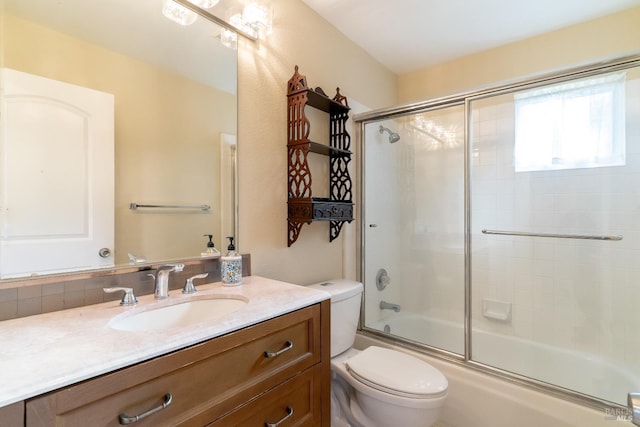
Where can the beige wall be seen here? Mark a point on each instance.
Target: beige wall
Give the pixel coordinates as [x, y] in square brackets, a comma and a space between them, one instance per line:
[165, 127]
[328, 59]
[605, 38]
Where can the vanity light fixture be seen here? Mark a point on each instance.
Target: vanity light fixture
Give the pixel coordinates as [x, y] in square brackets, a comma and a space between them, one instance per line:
[182, 15]
[257, 16]
[255, 19]
[253, 23]
[205, 4]
[229, 39]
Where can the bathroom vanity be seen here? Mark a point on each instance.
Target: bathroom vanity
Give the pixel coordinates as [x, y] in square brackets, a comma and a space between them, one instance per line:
[267, 363]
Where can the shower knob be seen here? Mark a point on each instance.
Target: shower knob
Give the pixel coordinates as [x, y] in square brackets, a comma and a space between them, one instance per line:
[382, 279]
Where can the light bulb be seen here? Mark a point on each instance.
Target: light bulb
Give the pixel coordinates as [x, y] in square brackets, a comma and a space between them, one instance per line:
[257, 17]
[205, 4]
[229, 39]
[178, 13]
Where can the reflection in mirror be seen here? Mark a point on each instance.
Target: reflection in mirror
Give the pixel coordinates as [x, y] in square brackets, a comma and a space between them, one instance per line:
[165, 96]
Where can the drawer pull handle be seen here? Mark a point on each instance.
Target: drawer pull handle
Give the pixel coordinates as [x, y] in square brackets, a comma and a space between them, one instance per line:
[126, 419]
[270, 354]
[276, 424]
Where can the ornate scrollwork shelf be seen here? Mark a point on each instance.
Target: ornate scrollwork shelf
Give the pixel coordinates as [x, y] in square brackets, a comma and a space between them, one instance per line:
[303, 208]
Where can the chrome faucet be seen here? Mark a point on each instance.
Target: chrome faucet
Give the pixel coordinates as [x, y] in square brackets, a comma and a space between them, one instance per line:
[162, 279]
[389, 306]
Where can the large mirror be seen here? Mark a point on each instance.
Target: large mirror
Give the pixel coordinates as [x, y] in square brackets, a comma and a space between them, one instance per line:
[75, 72]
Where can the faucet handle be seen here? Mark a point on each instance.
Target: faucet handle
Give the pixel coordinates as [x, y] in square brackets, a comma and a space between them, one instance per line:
[128, 298]
[189, 287]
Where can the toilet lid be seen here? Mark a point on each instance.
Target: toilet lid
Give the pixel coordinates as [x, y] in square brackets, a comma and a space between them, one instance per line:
[397, 373]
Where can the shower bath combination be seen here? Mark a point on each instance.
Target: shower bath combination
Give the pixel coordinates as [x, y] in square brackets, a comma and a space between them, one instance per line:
[393, 137]
[457, 220]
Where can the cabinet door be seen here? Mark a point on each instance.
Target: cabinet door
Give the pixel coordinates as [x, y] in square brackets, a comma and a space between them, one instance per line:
[12, 415]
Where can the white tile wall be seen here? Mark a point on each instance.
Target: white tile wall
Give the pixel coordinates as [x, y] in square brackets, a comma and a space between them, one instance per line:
[576, 294]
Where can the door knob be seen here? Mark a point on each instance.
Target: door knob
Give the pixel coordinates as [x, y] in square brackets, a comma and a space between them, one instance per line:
[104, 252]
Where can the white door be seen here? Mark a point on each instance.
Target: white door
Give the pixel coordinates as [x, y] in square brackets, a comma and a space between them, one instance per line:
[57, 176]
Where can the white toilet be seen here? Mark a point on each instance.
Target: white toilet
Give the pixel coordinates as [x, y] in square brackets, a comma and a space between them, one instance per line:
[376, 387]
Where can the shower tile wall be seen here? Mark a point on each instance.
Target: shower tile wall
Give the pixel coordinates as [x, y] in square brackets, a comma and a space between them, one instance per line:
[577, 294]
[573, 302]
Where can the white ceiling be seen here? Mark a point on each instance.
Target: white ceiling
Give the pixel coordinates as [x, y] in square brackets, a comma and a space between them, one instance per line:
[406, 35]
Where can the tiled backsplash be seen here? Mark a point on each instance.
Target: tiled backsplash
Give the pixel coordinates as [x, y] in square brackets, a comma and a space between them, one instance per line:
[39, 295]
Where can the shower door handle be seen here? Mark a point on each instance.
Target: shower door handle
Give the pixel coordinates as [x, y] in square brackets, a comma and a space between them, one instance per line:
[553, 235]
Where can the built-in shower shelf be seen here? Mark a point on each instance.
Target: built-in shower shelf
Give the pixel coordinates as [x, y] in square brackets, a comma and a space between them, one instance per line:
[496, 310]
[302, 207]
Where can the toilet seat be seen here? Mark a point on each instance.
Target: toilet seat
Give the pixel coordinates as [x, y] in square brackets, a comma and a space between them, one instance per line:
[397, 373]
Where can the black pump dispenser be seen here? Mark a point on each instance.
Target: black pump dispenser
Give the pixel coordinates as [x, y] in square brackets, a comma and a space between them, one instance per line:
[210, 250]
[231, 249]
[231, 266]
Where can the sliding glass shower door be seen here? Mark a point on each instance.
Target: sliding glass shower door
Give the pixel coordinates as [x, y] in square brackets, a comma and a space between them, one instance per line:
[502, 228]
[555, 232]
[414, 226]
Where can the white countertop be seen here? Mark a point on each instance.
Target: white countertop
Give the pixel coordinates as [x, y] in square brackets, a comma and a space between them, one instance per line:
[42, 353]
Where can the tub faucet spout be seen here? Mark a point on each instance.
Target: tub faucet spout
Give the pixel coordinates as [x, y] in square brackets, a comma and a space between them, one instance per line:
[389, 306]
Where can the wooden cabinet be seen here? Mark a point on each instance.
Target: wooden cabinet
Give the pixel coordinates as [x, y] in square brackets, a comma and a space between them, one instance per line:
[262, 374]
[295, 402]
[12, 415]
[302, 206]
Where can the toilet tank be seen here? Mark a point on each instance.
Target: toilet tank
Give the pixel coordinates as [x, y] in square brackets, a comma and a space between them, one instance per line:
[345, 311]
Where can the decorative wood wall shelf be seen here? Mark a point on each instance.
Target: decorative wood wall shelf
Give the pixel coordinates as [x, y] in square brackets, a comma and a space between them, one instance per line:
[303, 208]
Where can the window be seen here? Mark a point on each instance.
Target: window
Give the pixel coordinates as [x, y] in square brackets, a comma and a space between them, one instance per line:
[579, 124]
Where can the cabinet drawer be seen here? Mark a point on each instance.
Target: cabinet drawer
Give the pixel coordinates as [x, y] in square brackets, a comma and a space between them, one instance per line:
[205, 381]
[294, 403]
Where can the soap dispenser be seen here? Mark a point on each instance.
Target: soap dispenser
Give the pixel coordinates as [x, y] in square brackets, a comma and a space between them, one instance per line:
[231, 269]
[211, 250]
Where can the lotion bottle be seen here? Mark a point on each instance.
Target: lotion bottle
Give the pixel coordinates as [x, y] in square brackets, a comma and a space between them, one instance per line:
[231, 266]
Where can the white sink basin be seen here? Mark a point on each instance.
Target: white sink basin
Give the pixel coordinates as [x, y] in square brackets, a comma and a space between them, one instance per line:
[178, 315]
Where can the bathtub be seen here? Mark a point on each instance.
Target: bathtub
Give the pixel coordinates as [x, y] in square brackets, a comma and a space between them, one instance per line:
[495, 402]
